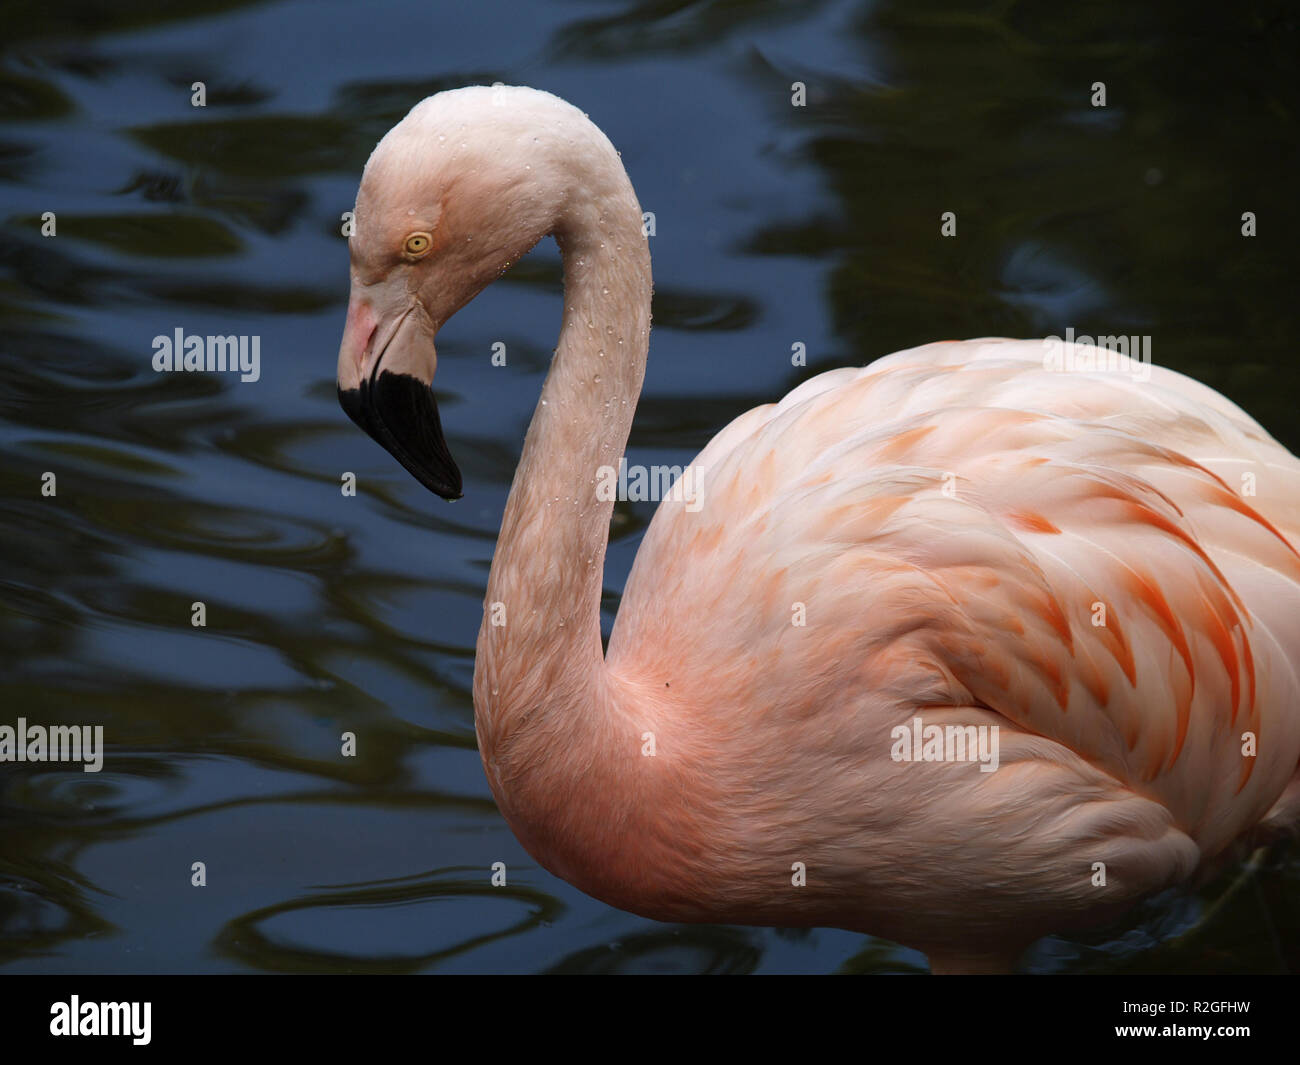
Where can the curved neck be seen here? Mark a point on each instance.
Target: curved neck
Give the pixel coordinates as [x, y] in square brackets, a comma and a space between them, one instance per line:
[539, 676]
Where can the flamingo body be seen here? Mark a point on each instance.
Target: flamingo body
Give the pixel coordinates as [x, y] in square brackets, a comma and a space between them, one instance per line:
[951, 517]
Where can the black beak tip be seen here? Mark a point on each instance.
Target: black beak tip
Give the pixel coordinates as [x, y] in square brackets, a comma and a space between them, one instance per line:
[449, 491]
[399, 412]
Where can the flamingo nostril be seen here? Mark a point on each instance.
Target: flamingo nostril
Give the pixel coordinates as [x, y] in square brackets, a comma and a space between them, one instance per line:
[366, 357]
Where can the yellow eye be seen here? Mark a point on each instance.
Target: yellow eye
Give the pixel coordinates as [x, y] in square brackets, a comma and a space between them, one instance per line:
[417, 244]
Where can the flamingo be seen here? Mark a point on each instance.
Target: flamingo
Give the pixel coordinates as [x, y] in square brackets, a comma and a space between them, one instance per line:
[1096, 565]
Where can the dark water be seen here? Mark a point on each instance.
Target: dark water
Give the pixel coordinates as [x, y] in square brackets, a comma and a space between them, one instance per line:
[327, 614]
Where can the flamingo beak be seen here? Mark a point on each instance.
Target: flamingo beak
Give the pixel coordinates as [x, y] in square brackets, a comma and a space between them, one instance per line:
[384, 379]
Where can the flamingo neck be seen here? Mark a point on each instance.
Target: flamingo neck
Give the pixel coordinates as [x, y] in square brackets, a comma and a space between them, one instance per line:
[541, 693]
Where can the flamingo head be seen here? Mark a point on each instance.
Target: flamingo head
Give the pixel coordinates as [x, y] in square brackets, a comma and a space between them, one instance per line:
[453, 195]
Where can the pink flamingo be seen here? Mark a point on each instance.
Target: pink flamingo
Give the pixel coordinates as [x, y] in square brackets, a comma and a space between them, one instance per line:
[1087, 574]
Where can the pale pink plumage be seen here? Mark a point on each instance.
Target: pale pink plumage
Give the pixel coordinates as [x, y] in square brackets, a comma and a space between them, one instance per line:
[949, 517]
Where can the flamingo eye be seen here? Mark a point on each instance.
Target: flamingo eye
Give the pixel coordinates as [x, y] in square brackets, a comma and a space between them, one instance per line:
[417, 245]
